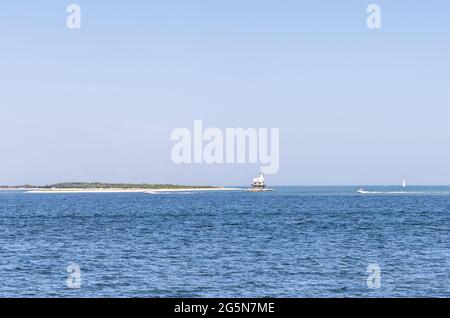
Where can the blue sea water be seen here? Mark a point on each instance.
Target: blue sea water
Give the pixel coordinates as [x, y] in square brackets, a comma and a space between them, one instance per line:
[292, 242]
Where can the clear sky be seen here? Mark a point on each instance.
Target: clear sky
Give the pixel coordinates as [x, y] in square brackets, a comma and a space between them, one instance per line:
[354, 105]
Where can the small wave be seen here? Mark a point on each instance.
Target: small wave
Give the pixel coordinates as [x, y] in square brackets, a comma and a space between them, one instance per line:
[174, 193]
[404, 192]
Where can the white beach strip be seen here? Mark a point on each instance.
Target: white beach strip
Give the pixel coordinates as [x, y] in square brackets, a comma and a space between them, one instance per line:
[56, 191]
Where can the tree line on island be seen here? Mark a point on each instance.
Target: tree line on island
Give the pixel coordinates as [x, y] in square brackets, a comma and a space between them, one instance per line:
[101, 185]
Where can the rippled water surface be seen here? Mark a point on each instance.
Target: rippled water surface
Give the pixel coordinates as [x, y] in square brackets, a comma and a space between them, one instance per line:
[293, 242]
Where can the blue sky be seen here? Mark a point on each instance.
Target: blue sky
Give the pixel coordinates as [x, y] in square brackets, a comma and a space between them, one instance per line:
[354, 105]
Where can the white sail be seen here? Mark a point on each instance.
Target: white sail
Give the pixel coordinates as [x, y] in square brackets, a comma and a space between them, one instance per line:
[404, 183]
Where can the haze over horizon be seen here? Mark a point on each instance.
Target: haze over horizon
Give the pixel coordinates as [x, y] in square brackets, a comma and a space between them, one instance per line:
[354, 106]
[239, 185]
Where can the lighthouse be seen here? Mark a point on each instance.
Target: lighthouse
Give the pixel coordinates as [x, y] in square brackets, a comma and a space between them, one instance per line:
[259, 183]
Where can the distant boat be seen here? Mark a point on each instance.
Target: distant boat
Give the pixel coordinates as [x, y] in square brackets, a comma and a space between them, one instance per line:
[362, 191]
[404, 183]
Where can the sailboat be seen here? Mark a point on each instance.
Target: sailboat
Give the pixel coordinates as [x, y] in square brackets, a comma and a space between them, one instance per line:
[404, 183]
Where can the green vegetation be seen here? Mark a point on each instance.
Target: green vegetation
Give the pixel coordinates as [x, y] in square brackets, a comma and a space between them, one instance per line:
[100, 185]
[25, 186]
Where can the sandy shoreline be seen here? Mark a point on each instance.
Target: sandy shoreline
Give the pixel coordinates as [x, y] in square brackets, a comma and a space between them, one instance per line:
[155, 191]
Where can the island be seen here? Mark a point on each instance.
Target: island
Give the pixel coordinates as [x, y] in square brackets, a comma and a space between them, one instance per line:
[100, 187]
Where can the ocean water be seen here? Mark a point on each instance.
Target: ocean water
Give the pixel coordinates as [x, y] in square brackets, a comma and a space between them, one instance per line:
[293, 242]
